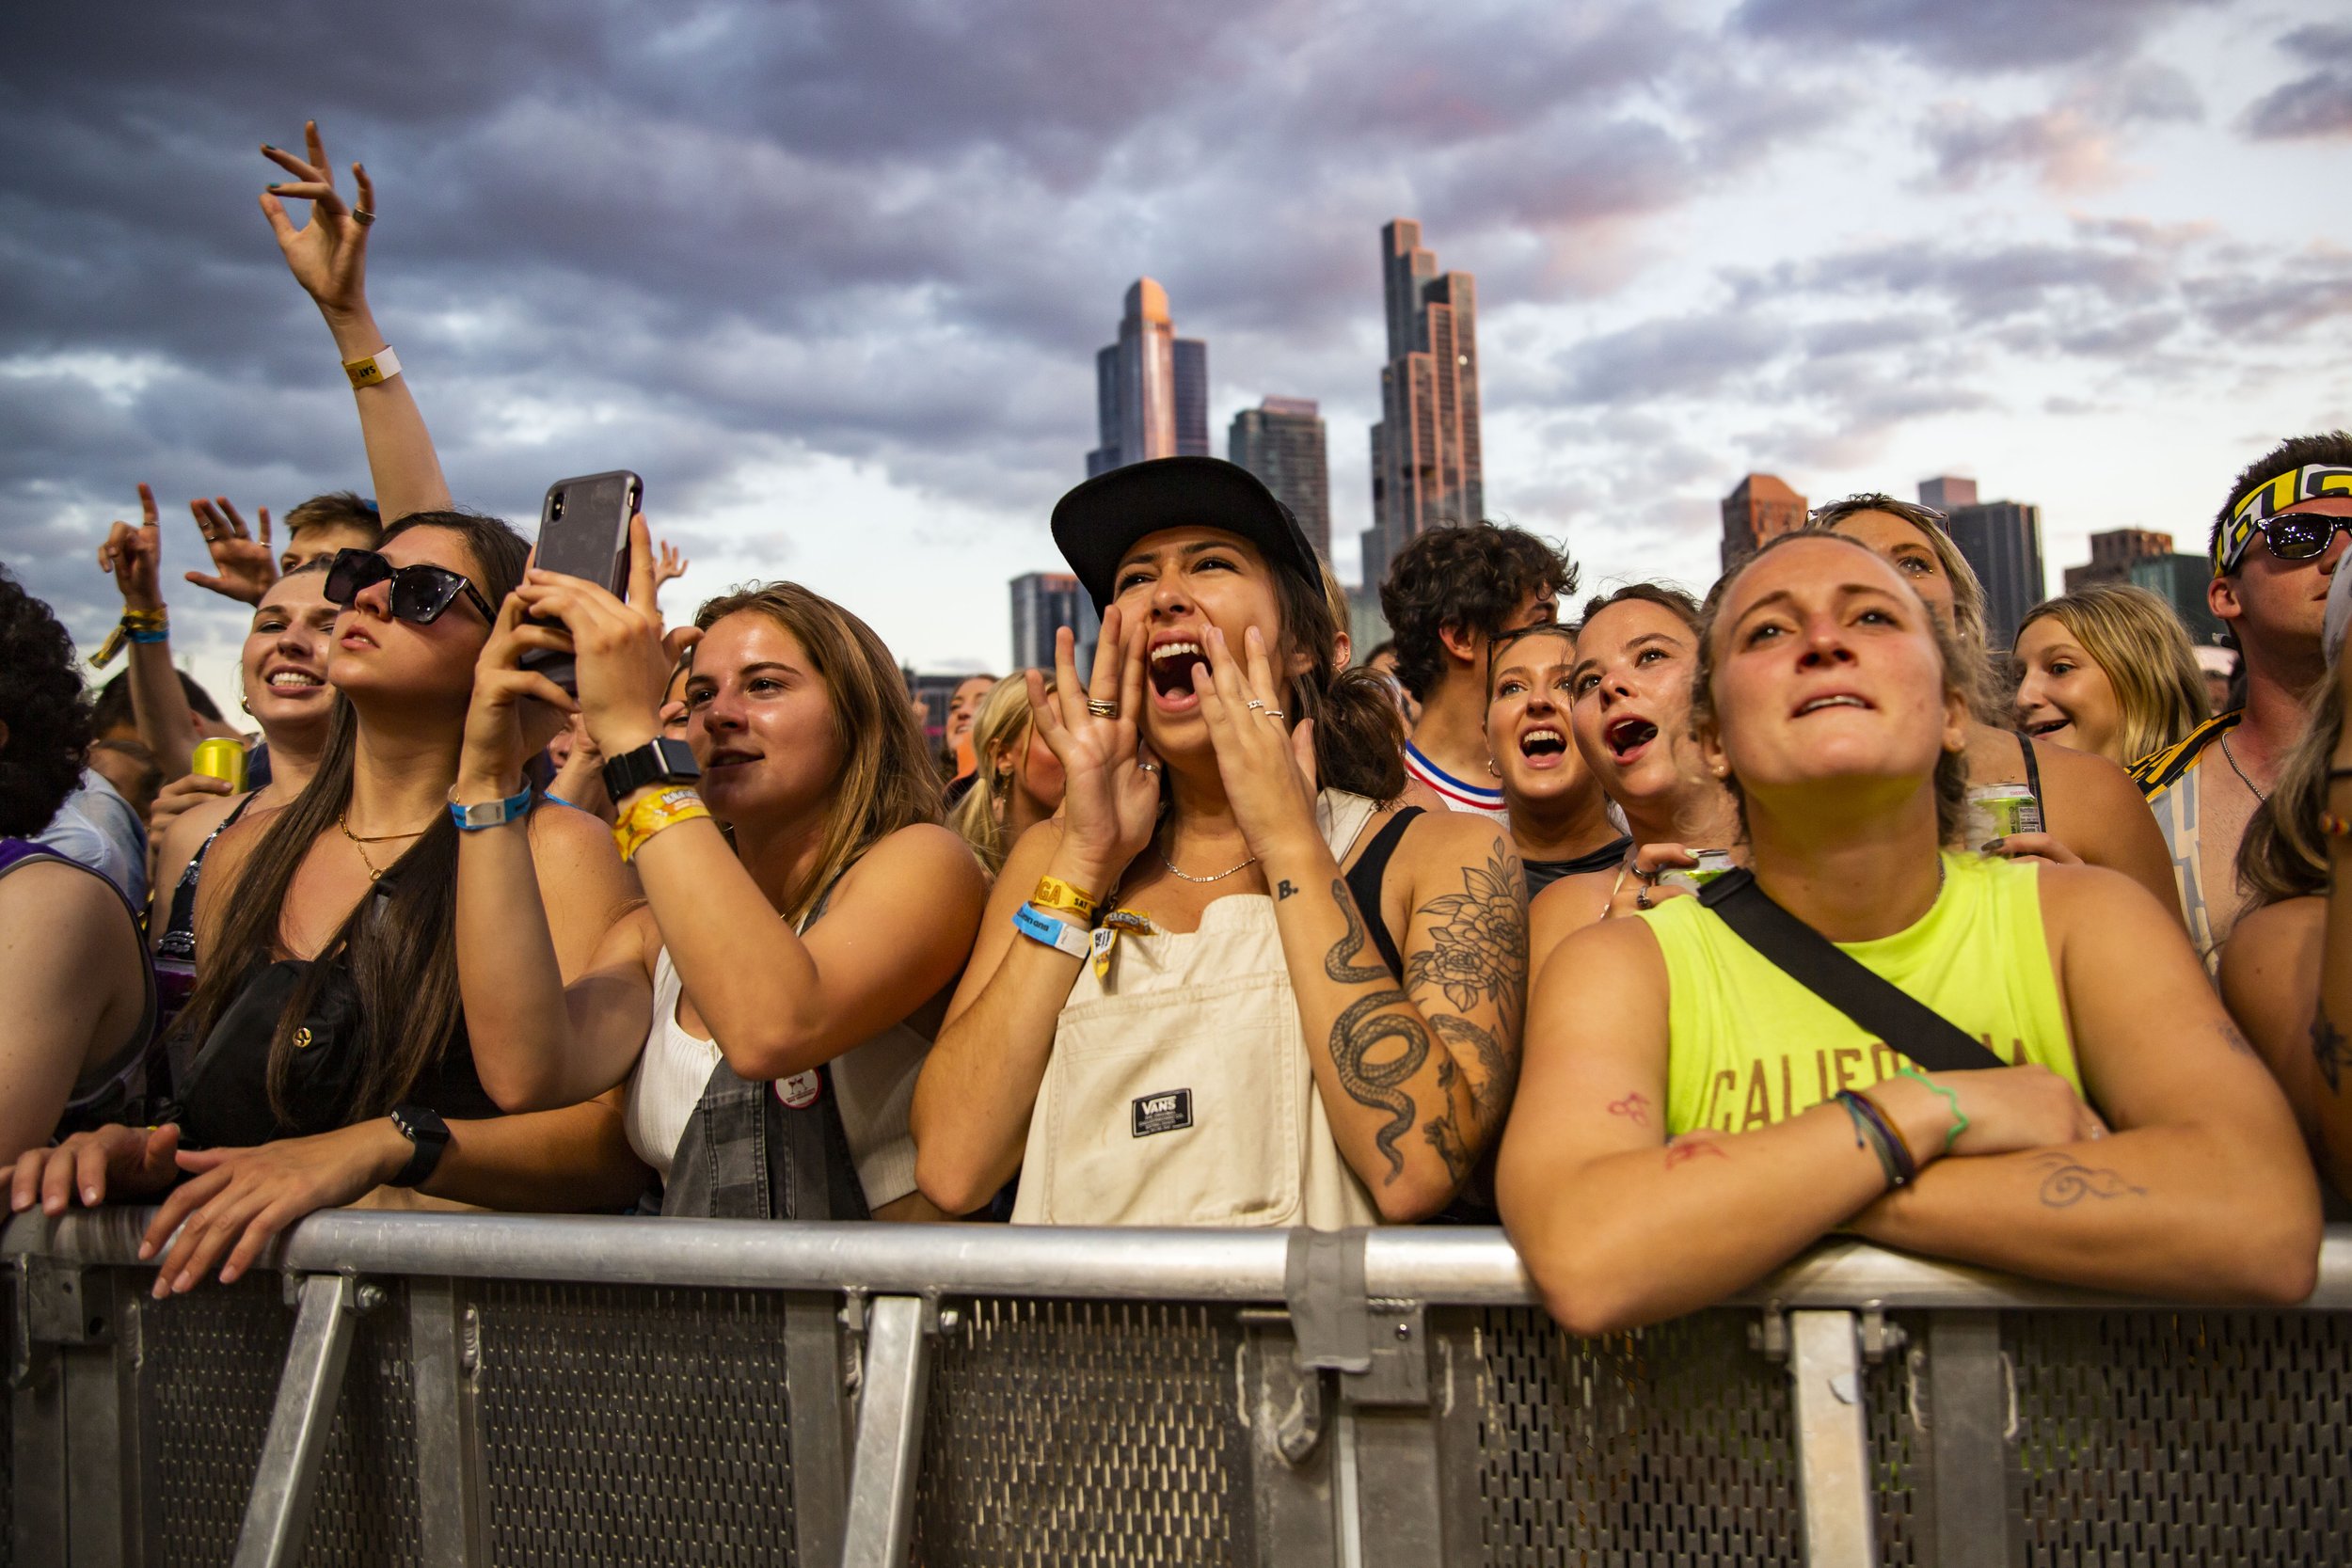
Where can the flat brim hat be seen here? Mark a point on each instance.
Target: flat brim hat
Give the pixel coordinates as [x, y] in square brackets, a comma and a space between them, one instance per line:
[1099, 522]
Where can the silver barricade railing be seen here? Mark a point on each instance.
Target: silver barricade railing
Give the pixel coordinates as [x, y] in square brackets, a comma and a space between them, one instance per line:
[476, 1388]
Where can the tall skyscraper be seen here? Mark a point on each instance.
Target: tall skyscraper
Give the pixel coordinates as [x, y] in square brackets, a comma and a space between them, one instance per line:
[2181, 581]
[2112, 554]
[1151, 387]
[1281, 442]
[1042, 601]
[2002, 540]
[1760, 507]
[1425, 463]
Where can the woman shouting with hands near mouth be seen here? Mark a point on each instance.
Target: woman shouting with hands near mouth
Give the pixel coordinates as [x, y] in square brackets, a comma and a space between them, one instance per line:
[1233, 983]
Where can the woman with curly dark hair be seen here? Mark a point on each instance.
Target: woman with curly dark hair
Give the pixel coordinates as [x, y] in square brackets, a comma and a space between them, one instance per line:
[77, 1000]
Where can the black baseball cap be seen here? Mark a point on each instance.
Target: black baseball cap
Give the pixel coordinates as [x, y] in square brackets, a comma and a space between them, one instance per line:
[1099, 522]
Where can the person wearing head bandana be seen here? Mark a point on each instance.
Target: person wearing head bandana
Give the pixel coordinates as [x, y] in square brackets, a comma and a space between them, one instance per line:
[2275, 548]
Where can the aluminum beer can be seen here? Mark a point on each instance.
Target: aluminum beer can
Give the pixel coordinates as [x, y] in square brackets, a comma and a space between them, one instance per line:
[220, 759]
[1997, 811]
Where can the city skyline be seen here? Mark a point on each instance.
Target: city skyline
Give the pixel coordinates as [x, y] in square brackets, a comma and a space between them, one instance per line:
[2073, 249]
[1427, 461]
[1283, 441]
[1151, 387]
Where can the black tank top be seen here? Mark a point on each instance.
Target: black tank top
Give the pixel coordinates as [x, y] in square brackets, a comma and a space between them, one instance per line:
[224, 1100]
[1363, 882]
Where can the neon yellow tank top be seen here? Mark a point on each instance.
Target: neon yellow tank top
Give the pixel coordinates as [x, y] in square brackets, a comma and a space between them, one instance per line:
[1749, 1046]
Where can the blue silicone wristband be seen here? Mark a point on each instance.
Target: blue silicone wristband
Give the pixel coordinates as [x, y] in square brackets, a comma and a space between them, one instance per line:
[491, 814]
[1059, 935]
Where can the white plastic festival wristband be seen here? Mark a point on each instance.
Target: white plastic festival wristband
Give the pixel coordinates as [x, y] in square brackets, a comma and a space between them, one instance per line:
[1059, 935]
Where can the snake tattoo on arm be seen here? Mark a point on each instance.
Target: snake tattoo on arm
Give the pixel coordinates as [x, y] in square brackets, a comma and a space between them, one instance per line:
[1367, 1022]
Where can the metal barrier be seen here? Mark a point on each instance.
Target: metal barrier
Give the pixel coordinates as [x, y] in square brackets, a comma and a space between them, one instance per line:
[443, 1388]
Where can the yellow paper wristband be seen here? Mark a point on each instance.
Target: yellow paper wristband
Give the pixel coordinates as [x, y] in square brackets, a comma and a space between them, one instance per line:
[664, 808]
[380, 366]
[1053, 893]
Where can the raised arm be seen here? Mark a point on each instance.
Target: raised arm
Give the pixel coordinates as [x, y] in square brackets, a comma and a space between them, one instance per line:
[979, 1083]
[158, 703]
[327, 256]
[2203, 1191]
[1412, 1076]
[537, 1041]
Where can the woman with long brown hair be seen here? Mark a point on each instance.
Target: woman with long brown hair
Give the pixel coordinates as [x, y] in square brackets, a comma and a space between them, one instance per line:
[1233, 982]
[775, 996]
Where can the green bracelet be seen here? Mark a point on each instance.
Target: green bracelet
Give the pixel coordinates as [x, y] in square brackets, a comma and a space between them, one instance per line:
[1951, 1096]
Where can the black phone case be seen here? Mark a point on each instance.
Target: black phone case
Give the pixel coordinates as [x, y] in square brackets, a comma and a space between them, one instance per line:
[583, 532]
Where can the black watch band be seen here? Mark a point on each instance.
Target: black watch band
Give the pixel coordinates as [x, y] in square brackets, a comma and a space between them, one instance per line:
[429, 1132]
[663, 761]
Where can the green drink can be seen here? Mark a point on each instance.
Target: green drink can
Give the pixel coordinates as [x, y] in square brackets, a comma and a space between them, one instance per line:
[1997, 811]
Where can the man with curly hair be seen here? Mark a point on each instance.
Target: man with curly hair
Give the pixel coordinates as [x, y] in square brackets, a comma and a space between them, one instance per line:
[1448, 595]
[77, 999]
[2275, 548]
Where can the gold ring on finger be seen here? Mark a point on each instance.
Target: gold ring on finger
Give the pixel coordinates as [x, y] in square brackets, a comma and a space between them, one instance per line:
[1102, 708]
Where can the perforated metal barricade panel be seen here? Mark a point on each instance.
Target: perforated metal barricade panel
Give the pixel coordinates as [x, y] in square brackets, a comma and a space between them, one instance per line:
[1085, 1432]
[364, 1513]
[1669, 1446]
[8, 1436]
[2206, 1438]
[213, 1358]
[635, 1425]
[1899, 1462]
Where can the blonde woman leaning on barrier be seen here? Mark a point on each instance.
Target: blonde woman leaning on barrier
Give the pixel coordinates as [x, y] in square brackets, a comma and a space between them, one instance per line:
[1298, 1004]
[2108, 670]
[1019, 782]
[2091, 812]
[771, 1006]
[1692, 1116]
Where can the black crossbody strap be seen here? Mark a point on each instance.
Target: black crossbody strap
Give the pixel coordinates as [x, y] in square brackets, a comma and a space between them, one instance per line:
[1878, 1004]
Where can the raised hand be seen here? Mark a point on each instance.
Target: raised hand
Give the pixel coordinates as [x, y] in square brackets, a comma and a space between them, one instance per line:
[621, 655]
[515, 712]
[328, 255]
[1267, 762]
[243, 566]
[1111, 795]
[173, 801]
[671, 566]
[134, 556]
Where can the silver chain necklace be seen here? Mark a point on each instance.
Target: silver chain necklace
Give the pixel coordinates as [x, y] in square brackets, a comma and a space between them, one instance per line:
[2259, 797]
[1188, 877]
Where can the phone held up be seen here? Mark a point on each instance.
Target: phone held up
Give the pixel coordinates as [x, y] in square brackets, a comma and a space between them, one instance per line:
[583, 532]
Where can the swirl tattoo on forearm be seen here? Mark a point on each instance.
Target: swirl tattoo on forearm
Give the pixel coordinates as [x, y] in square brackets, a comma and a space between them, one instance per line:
[1367, 1022]
[2066, 1182]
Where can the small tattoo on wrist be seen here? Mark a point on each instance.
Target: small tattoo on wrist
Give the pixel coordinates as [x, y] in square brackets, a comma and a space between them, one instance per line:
[1634, 1107]
[1283, 889]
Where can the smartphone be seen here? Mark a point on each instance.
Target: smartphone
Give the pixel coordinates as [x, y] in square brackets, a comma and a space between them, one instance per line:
[583, 532]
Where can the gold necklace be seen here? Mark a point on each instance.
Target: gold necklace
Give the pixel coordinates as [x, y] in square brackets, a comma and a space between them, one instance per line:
[375, 872]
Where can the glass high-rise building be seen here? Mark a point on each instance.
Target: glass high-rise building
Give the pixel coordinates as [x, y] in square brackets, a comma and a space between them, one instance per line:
[1151, 387]
[1426, 467]
[1281, 442]
[1042, 602]
[2002, 542]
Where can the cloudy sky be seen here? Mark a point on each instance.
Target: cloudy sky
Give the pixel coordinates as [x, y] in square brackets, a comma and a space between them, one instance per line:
[830, 275]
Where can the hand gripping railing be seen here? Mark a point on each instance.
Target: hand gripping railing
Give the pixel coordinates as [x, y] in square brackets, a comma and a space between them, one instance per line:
[1383, 1397]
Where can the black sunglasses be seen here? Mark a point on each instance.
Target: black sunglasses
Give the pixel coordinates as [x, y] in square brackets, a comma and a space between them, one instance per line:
[420, 593]
[2301, 535]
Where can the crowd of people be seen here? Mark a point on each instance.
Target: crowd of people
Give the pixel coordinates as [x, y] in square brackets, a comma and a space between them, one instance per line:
[1745, 917]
